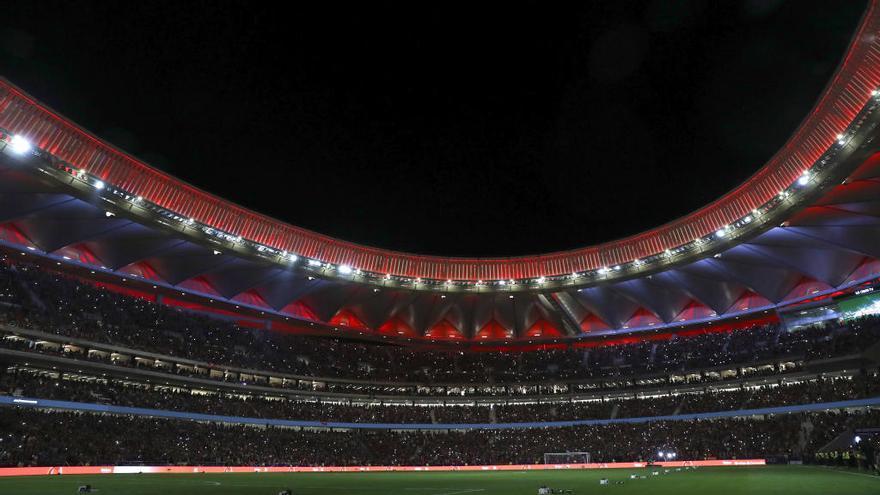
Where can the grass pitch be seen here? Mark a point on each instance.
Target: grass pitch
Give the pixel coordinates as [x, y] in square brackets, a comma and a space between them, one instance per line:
[799, 480]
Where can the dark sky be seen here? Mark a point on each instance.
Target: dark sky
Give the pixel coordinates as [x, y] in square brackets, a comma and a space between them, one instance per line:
[444, 128]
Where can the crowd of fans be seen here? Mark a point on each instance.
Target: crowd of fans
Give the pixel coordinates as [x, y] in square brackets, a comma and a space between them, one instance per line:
[37, 299]
[33, 437]
[44, 384]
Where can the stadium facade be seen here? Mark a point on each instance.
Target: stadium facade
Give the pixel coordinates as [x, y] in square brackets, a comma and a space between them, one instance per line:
[804, 228]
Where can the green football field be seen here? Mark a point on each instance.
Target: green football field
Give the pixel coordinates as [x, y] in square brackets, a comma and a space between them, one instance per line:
[799, 480]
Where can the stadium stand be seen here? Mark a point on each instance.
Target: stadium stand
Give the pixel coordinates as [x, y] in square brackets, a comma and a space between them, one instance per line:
[45, 438]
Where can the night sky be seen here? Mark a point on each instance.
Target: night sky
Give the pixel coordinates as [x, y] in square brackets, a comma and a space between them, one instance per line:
[444, 128]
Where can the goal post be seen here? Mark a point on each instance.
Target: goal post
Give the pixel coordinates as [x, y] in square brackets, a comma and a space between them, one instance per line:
[566, 458]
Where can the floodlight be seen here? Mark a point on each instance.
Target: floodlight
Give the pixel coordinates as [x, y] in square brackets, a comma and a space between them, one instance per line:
[19, 145]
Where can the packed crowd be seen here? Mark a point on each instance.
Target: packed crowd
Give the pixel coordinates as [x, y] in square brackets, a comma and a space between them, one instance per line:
[44, 384]
[32, 437]
[37, 299]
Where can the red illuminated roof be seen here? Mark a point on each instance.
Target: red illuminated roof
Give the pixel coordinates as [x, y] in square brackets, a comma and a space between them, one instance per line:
[845, 96]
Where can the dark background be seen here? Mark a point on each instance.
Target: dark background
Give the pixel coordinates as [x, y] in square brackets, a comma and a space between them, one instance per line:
[444, 128]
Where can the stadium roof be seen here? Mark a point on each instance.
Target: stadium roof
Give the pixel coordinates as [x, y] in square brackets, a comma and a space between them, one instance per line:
[805, 224]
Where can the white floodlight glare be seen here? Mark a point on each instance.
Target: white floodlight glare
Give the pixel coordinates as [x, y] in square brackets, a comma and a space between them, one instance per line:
[542, 279]
[292, 257]
[99, 185]
[19, 145]
[858, 439]
[721, 232]
[661, 454]
[804, 179]
[344, 269]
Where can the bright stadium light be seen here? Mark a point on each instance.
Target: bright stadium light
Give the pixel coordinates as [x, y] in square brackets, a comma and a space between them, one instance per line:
[99, 185]
[661, 454]
[19, 145]
[542, 279]
[858, 439]
[804, 179]
[345, 269]
[721, 232]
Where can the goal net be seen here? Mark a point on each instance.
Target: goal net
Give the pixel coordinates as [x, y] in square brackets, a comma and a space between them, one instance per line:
[566, 458]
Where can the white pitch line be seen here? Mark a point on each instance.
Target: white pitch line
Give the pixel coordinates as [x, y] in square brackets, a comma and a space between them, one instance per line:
[468, 490]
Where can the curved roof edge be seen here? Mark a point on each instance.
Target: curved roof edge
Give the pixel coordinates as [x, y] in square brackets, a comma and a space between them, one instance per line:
[845, 96]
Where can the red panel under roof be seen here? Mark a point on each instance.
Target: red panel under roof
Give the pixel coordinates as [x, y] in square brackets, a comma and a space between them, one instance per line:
[397, 327]
[10, 233]
[300, 310]
[493, 330]
[747, 301]
[695, 310]
[869, 268]
[642, 318]
[806, 287]
[346, 318]
[443, 330]
[592, 323]
[542, 328]
[201, 285]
